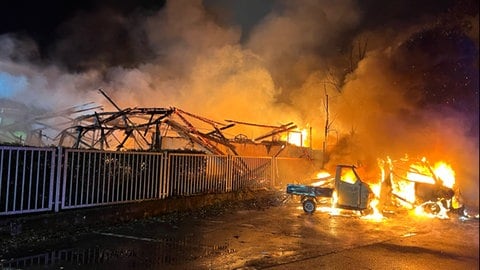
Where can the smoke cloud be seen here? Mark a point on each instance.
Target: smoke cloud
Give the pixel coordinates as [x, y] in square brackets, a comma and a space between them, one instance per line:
[390, 91]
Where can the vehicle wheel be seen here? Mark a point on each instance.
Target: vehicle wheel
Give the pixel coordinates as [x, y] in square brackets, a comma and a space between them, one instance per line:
[309, 206]
[432, 208]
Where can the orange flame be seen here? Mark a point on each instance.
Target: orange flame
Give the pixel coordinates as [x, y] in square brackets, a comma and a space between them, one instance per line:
[375, 215]
[324, 178]
[349, 177]
[441, 173]
[441, 211]
[323, 174]
[445, 173]
[298, 138]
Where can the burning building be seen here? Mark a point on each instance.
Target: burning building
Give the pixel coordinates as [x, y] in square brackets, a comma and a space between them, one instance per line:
[399, 81]
[158, 129]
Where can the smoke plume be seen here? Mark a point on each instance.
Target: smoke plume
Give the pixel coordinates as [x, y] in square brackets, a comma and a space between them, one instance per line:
[398, 80]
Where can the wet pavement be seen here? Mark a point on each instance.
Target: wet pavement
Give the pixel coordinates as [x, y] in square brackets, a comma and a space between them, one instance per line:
[274, 236]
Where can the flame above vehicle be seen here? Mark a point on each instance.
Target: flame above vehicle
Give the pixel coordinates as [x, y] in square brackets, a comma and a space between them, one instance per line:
[412, 184]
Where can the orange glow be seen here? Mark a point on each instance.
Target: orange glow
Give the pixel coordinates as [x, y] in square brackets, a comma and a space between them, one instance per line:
[376, 215]
[445, 173]
[404, 186]
[405, 190]
[298, 138]
[323, 175]
[324, 179]
[420, 173]
[423, 173]
[349, 177]
[333, 209]
[421, 210]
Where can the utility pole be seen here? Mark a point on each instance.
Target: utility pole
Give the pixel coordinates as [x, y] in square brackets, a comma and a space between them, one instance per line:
[327, 124]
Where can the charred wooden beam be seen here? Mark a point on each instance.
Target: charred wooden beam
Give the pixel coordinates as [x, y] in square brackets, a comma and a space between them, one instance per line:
[275, 132]
[103, 138]
[209, 121]
[217, 130]
[186, 133]
[259, 125]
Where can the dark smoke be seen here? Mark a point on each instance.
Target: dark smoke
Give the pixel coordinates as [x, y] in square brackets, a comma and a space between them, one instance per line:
[401, 76]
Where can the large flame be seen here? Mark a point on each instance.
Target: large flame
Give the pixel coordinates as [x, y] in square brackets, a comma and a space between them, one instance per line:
[404, 178]
[422, 172]
[445, 173]
[298, 138]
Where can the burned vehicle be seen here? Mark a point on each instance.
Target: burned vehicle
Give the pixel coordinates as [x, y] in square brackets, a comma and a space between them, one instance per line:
[405, 184]
[346, 190]
[417, 184]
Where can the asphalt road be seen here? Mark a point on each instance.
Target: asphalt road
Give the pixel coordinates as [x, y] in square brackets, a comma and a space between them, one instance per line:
[274, 236]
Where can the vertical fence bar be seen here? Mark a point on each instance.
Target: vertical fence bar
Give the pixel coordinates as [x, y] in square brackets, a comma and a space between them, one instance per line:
[165, 176]
[157, 180]
[58, 178]
[8, 180]
[16, 183]
[30, 173]
[95, 176]
[1, 176]
[38, 178]
[64, 187]
[81, 175]
[44, 177]
[133, 182]
[87, 156]
[103, 164]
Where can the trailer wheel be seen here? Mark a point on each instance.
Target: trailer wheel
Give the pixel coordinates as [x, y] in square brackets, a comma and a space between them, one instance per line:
[309, 206]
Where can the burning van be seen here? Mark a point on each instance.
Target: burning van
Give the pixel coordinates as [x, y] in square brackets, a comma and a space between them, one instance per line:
[415, 184]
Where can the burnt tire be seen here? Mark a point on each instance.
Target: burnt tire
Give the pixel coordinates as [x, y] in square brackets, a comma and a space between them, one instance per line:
[432, 208]
[309, 206]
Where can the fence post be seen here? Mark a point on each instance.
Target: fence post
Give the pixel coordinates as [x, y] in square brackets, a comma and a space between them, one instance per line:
[273, 170]
[229, 184]
[165, 178]
[58, 178]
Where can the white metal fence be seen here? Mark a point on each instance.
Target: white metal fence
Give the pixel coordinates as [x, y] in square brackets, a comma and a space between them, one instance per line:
[93, 178]
[26, 179]
[191, 174]
[51, 179]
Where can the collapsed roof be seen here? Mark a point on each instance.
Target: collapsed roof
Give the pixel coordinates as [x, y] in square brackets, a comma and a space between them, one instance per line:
[145, 128]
